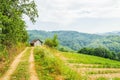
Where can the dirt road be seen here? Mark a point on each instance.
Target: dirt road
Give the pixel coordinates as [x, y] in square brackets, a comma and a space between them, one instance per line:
[15, 63]
[33, 74]
[13, 66]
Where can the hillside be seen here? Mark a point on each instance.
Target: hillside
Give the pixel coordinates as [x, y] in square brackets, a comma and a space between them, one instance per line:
[73, 66]
[44, 63]
[76, 40]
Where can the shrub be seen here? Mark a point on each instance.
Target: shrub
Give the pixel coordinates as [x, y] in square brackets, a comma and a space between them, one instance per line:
[52, 42]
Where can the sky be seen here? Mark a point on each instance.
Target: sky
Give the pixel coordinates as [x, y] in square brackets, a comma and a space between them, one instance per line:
[88, 16]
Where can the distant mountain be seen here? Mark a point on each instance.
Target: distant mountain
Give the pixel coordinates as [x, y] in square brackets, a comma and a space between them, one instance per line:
[76, 40]
[111, 33]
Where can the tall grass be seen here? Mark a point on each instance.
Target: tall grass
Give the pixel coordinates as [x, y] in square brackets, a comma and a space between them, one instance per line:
[7, 56]
[49, 67]
[48, 62]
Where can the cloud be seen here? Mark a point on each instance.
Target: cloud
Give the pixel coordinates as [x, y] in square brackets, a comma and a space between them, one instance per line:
[67, 10]
[64, 13]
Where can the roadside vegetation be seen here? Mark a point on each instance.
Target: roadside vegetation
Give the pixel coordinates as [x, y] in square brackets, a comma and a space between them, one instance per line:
[49, 67]
[88, 67]
[7, 56]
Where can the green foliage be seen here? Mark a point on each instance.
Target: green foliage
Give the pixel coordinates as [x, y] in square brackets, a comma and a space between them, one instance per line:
[55, 41]
[86, 51]
[52, 42]
[49, 42]
[7, 56]
[65, 49]
[49, 67]
[118, 56]
[76, 40]
[3, 55]
[100, 51]
[88, 59]
[12, 26]
[102, 78]
[47, 64]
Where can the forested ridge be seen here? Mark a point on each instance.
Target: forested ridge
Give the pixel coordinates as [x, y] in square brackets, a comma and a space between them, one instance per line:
[76, 40]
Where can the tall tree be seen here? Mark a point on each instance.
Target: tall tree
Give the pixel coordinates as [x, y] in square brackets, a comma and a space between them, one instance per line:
[11, 20]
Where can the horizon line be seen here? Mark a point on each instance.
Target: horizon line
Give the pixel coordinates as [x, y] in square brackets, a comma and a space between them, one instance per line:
[76, 31]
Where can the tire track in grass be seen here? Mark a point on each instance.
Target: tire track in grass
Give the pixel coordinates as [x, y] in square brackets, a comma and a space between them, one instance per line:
[13, 66]
[22, 71]
[109, 75]
[33, 74]
[95, 71]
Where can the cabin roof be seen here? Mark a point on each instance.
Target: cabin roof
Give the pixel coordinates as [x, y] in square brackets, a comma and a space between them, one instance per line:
[33, 41]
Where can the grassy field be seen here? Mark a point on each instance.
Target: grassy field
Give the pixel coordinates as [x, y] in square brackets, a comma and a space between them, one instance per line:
[50, 67]
[87, 59]
[92, 67]
[51, 64]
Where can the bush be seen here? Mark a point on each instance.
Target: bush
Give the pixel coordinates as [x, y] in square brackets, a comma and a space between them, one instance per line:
[89, 51]
[65, 49]
[52, 42]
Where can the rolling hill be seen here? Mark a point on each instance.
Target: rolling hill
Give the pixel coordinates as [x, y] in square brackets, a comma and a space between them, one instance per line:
[76, 40]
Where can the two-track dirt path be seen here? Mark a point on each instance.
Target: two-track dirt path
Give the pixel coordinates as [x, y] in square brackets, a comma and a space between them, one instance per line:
[33, 74]
[14, 65]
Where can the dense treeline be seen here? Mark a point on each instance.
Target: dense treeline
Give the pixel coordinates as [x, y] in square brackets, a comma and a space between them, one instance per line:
[75, 40]
[101, 52]
[12, 25]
